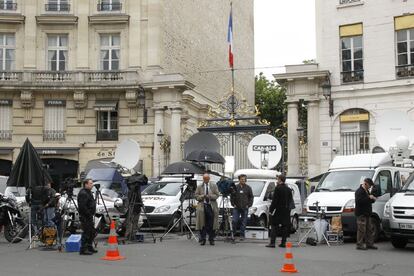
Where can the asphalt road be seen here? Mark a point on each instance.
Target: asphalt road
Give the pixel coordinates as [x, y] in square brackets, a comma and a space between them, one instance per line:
[180, 256]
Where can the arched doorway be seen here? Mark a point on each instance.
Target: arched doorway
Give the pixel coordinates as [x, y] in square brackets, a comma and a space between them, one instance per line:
[354, 130]
[5, 167]
[60, 169]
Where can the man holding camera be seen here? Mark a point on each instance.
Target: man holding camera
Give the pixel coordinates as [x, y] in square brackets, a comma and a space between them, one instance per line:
[134, 205]
[87, 209]
[241, 200]
[207, 209]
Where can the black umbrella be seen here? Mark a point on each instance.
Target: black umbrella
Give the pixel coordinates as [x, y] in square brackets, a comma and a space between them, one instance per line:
[28, 170]
[183, 168]
[205, 156]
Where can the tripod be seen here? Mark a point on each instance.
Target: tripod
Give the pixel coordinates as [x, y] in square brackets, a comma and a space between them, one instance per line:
[65, 217]
[319, 216]
[182, 219]
[130, 219]
[226, 219]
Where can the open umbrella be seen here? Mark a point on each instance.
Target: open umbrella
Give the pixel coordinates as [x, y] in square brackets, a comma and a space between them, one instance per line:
[28, 170]
[205, 156]
[183, 168]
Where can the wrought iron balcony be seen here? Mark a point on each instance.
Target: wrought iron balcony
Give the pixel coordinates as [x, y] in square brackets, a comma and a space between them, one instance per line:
[355, 142]
[53, 135]
[55, 7]
[6, 134]
[352, 76]
[404, 71]
[344, 2]
[107, 135]
[8, 6]
[109, 6]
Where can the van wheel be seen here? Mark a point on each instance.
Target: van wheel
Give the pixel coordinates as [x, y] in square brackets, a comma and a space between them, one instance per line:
[295, 224]
[263, 221]
[398, 242]
[376, 228]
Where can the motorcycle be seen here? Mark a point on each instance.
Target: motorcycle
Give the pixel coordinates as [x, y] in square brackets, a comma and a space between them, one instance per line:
[11, 220]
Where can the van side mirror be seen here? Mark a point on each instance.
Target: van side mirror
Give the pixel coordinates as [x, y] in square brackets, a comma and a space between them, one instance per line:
[312, 189]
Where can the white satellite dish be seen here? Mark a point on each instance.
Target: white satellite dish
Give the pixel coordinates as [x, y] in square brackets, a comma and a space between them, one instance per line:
[391, 125]
[127, 154]
[264, 151]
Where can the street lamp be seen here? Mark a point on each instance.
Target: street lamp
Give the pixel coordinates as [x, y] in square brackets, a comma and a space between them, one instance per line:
[281, 135]
[141, 103]
[301, 134]
[327, 93]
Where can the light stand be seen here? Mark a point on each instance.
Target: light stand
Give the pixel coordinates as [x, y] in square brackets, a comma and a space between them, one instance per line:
[319, 216]
[226, 219]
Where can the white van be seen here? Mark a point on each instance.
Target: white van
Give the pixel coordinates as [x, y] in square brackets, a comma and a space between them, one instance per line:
[263, 183]
[335, 193]
[162, 201]
[398, 220]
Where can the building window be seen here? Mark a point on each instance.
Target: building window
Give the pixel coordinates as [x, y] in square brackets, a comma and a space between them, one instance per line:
[54, 126]
[352, 59]
[8, 5]
[5, 120]
[354, 127]
[109, 5]
[110, 52]
[7, 51]
[57, 53]
[405, 53]
[58, 5]
[107, 126]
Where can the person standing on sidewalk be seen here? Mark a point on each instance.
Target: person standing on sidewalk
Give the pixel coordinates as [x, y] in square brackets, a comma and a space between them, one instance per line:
[87, 209]
[241, 200]
[363, 213]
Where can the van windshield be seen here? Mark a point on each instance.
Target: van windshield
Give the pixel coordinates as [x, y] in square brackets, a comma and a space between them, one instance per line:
[343, 180]
[163, 188]
[409, 185]
[257, 187]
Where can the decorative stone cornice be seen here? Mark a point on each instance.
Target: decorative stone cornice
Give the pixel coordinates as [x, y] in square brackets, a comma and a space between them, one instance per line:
[27, 103]
[61, 19]
[131, 97]
[109, 19]
[80, 99]
[11, 18]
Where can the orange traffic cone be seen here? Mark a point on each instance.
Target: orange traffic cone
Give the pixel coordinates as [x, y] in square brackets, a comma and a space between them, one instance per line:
[112, 253]
[289, 266]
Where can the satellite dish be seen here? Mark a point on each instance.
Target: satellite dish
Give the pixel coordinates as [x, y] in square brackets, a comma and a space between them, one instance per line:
[391, 125]
[264, 151]
[201, 141]
[127, 154]
[377, 149]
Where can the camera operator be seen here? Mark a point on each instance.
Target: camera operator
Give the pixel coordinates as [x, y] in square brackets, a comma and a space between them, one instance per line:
[134, 205]
[49, 206]
[241, 200]
[87, 209]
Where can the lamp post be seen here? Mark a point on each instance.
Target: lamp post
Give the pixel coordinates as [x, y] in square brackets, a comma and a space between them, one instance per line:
[327, 93]
[160, 136]
[281, 135]
[141, 103]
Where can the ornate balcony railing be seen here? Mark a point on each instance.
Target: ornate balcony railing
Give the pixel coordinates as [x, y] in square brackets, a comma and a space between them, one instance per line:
[355, 142]
[6, 134]
[352, 76]
[53, 135]
[404, 71]
[53, 76]
[55, 7]
[106, 135]
[10, 76]
[95, 76]
[109, 6]
[8, 6]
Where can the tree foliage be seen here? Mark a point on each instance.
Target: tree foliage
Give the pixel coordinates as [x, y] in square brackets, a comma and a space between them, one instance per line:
[271, 100]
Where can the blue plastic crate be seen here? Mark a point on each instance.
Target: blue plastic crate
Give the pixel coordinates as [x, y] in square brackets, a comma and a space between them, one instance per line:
[73, 243]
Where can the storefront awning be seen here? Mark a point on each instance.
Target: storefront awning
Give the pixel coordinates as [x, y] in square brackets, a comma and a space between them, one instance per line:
[57, 151]
[105, 105]
[5, 151]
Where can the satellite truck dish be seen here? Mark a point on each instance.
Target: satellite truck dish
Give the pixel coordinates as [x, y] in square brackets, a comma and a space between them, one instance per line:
[264, 151]
[201, 141]
[127, 154]
[390, 126]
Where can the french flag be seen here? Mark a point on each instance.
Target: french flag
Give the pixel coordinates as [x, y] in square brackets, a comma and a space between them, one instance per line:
[230, 37]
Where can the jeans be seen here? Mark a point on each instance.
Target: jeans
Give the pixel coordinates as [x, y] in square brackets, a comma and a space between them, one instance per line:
[48, 217]
[240, 215]
[208, 224]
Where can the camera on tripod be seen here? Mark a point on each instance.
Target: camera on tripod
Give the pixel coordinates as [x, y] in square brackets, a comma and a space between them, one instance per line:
[190, 189]
[226, 187]
[68, 185]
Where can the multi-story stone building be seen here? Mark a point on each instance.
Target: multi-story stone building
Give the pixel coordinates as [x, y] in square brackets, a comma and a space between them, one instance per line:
[365, 57]
[79, 76]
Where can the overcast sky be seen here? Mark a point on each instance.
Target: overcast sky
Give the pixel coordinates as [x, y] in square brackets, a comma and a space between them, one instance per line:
[284, 33]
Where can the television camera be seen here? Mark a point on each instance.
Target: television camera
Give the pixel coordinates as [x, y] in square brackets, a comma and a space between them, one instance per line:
[226, 187]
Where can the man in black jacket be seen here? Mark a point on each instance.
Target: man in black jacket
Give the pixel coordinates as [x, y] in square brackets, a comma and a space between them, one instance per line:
[242, 200]
[363, 212]
[280, 211]
[87, 209]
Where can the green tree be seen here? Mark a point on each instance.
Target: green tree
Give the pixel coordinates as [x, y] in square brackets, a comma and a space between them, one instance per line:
[271, 100]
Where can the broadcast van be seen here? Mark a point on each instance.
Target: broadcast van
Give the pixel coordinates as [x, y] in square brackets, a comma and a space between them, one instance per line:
[398, 220]
[335, 193]
[263, 183]
[162, 200]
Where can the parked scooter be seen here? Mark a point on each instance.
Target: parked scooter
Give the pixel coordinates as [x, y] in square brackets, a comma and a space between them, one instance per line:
[11, 220]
